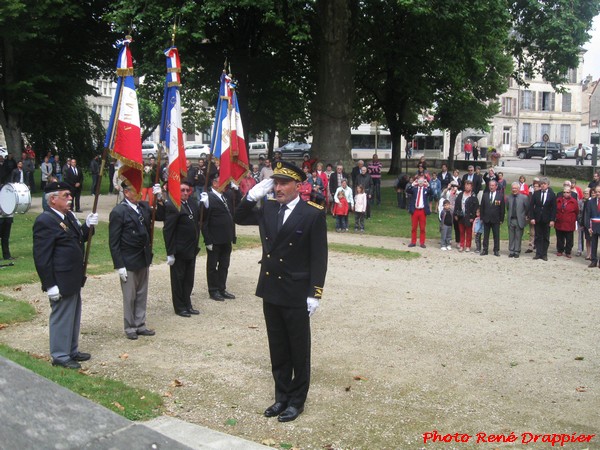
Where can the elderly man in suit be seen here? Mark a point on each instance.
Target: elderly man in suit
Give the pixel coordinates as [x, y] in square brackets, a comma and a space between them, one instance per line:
[473, 177]
[74, 176]
[492, 215]
[517, 208]
[542, 214]
[292, 274]
[181, 232]
[58, 254]
[129, 241]
[218, 231]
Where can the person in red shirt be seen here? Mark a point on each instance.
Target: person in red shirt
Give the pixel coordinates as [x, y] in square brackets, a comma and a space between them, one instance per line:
[567, 209]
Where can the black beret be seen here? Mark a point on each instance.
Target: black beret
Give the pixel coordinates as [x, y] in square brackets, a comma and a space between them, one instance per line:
[57, 186]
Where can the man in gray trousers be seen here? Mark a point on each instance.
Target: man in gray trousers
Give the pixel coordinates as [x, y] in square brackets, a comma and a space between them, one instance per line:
[517, 207]
[58, 239]
[129, 241]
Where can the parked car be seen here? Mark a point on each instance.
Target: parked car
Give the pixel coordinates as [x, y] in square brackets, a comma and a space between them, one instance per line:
[538, 149]
[255, 149]
[149, 149]
[294, 149]
[570, 152]
[196, 151]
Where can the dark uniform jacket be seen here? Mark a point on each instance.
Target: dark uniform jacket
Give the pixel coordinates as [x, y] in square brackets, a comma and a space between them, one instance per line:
[545, 213]
[181, 229]
[129, 238]
[217, 220]
[58, 251]
[294, 261]
[71, 178]
[492, 212]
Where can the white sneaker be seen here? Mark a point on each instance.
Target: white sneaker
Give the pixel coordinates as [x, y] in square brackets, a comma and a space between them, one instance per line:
[468, 249]
[449, 248]
[443, 249]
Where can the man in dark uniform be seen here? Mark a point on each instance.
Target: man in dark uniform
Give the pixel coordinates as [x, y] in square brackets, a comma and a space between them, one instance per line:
[542, 214]
[181, 232]
[58, 255]
[129, 241]
[218, 231]
[74, 176]
[492, 215]
[292, 274]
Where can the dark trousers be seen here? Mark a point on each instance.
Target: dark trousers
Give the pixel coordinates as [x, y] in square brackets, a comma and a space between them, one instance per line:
[564, 241]
[495, 228]
[76, 197]
[288, 332]
[595, 247]
[182, 283]
[5, 226]
[217, 267]
[376, 191]
[542, 239]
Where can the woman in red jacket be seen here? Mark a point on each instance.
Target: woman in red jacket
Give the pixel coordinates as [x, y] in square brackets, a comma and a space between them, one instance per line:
[566, 217]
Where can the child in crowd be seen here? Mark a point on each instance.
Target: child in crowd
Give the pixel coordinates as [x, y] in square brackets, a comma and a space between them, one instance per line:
[340, 211]
[360, 208]
[478, 230]
[435, 192]
[446, 226]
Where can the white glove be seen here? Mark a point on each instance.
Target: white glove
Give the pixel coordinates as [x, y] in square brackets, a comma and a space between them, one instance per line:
[122, 274]
[204, 199]
[157, 190]
[260, 190]
[170, 260]
[91, 219]
[234, 186]
[53, 294]
[209, 247]
[312, 305]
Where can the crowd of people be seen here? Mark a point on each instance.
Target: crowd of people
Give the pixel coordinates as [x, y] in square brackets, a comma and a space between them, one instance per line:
[472, 207]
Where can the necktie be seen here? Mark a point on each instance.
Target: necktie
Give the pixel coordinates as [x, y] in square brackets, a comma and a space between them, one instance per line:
[513, 212]
[543, 197]
[280, 216]
[419, 193]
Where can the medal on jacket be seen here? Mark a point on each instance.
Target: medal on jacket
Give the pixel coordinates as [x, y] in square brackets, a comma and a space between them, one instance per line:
[191, 215]
[64, 226]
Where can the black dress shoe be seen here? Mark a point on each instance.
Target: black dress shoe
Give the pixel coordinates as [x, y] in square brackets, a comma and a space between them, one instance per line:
[545, 258]
[483, 253]
[70, 364]
[80, 356]
[511, 255]
[592, 264]
[10, 258]
[537, 257]
[516, 255]
[146, 332]
[183, 314]
[528, 251]
[290, 413]
[132, 336]
[227, 295]
[275, 409]
[496, 253]
[193, 311]
[217, 296]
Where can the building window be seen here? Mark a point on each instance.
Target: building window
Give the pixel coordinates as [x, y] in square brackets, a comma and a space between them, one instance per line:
[566, 102]
[544, 129]
[526, 133]
[508, 106]
[527, 100]
[546, 101]
[565, 134]
[572, 76]
[506, 136]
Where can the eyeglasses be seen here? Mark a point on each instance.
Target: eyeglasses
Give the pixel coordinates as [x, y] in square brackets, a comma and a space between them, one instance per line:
[185, 190]
[67, 195]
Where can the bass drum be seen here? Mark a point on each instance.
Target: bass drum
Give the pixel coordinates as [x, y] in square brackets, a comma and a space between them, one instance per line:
[15, 198]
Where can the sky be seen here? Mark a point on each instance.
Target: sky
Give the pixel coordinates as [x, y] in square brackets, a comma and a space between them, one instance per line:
[591, 63]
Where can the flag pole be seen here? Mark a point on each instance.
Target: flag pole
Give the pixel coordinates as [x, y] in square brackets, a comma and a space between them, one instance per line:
[88, 246]
[154, 197]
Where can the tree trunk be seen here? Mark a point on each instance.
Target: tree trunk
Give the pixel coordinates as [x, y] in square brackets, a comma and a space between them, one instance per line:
[9, 122]
[396, 162]
[453, 135]
[332, 107]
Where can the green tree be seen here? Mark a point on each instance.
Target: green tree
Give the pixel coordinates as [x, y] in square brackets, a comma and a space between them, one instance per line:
[49, 49]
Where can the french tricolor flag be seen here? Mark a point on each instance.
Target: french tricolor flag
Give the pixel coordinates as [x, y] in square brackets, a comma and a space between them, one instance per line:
[123, 137]
[171, 128]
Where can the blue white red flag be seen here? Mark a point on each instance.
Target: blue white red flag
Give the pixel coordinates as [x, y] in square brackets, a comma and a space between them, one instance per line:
[171, 132]
[123, 136]
[227, 139]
